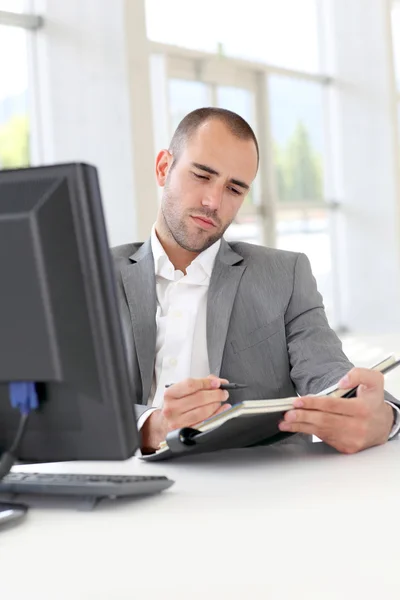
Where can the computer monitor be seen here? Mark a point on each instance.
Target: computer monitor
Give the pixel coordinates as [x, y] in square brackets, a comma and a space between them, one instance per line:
[59, 320]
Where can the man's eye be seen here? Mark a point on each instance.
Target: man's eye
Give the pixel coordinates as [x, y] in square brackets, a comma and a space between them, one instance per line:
[235, 191]
[201, 176]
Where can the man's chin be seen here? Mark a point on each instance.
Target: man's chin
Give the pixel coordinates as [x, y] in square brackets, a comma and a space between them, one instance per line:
[197, 246]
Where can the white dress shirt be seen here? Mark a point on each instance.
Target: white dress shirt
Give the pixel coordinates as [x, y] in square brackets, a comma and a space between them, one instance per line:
[396, 424]
[181, 342]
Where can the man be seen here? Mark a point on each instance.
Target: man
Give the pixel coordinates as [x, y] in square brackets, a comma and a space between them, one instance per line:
[197, 311]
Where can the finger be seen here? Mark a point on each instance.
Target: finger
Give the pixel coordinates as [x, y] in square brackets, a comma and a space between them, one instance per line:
[173, 408]
[221, 380]
[340, 406]
[221, 409]
[203, 398]
[191, 386]
[198, 415]
[316, 418]
[298, 428]
[349, 439]
[368, 377]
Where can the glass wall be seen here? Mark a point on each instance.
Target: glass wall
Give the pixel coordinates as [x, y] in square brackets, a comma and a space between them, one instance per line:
[14, 114]
[185, 96]
[243, 67]
[16, 6]
[297, 120]
[298, 132]
[283, 33]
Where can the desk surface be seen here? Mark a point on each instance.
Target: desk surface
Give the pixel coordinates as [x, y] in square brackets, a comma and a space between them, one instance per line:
[248, 524]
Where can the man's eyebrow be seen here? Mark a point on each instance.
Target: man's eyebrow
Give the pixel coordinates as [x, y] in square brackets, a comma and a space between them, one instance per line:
[205, 168]
[214, 172]
[241, 184]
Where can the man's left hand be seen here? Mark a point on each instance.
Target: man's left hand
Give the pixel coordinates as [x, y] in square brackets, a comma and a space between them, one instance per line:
[347, 424]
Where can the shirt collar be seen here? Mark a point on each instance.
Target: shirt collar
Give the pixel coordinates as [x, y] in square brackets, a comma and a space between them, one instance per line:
[163, 266]
[159, 255]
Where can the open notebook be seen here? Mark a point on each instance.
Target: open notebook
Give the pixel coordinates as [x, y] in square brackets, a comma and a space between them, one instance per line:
[248, 423]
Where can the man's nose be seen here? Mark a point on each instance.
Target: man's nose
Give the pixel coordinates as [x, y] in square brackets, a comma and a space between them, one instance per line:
[213, 197]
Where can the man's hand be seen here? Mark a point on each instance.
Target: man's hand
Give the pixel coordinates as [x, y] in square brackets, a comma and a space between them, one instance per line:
[347, 424]
[185, 404]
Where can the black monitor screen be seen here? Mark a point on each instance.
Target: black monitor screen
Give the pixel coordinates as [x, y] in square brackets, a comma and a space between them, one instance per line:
[59, 321]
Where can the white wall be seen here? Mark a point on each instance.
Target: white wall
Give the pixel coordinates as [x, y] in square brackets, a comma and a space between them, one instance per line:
[85, 102]
[369, 262]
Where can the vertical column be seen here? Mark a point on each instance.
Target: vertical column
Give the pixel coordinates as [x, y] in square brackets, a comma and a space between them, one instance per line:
[141, 127]
[87, 104]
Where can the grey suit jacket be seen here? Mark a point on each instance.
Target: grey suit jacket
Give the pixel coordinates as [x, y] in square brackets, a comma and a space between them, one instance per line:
[266, 324]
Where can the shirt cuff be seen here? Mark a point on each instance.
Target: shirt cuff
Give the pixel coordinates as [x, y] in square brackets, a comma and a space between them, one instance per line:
[396, 425]
[140, 422]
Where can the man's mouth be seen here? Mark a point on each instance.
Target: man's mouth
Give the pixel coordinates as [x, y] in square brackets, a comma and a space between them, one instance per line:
[204, 222]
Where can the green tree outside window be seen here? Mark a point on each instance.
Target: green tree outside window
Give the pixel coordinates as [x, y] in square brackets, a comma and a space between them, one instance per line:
[299, 171]
[14, 142]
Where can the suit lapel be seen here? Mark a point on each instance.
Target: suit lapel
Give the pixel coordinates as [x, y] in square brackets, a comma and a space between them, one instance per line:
[224, 283]
[140, 288]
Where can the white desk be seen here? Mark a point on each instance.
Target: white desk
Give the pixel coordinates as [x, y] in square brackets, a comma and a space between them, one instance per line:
[263, 523]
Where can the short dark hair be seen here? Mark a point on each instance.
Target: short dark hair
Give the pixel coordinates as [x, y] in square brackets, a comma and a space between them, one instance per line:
[189, 125]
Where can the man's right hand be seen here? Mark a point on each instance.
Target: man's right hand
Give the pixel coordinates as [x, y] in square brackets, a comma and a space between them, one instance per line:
[185, 404]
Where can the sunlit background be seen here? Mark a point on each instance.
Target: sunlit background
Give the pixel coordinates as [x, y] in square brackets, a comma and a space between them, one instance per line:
[319, 80]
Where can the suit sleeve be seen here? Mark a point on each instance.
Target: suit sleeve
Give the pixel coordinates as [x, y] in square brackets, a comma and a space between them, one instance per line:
[317, 360]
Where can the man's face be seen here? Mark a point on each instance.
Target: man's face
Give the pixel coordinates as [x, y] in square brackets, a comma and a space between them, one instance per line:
[206, 186]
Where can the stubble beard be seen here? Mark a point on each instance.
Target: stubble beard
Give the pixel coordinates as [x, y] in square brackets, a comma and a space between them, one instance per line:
[177, 225]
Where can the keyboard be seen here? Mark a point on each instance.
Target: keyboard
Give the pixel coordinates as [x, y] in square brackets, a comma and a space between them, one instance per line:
[92, 486]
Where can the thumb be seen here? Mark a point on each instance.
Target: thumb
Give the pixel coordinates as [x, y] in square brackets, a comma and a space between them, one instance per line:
[362, 389]
[367, 378]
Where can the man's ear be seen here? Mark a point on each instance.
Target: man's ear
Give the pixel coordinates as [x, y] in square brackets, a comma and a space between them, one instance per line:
[163, 164]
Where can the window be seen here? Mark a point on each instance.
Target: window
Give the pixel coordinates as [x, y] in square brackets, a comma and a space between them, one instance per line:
[238, 99]
[286, 207]
[283, 33]
[308, 231]
[14, 120]
[16, 6]
[185, 96]
[297, 123]
[297, 129]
